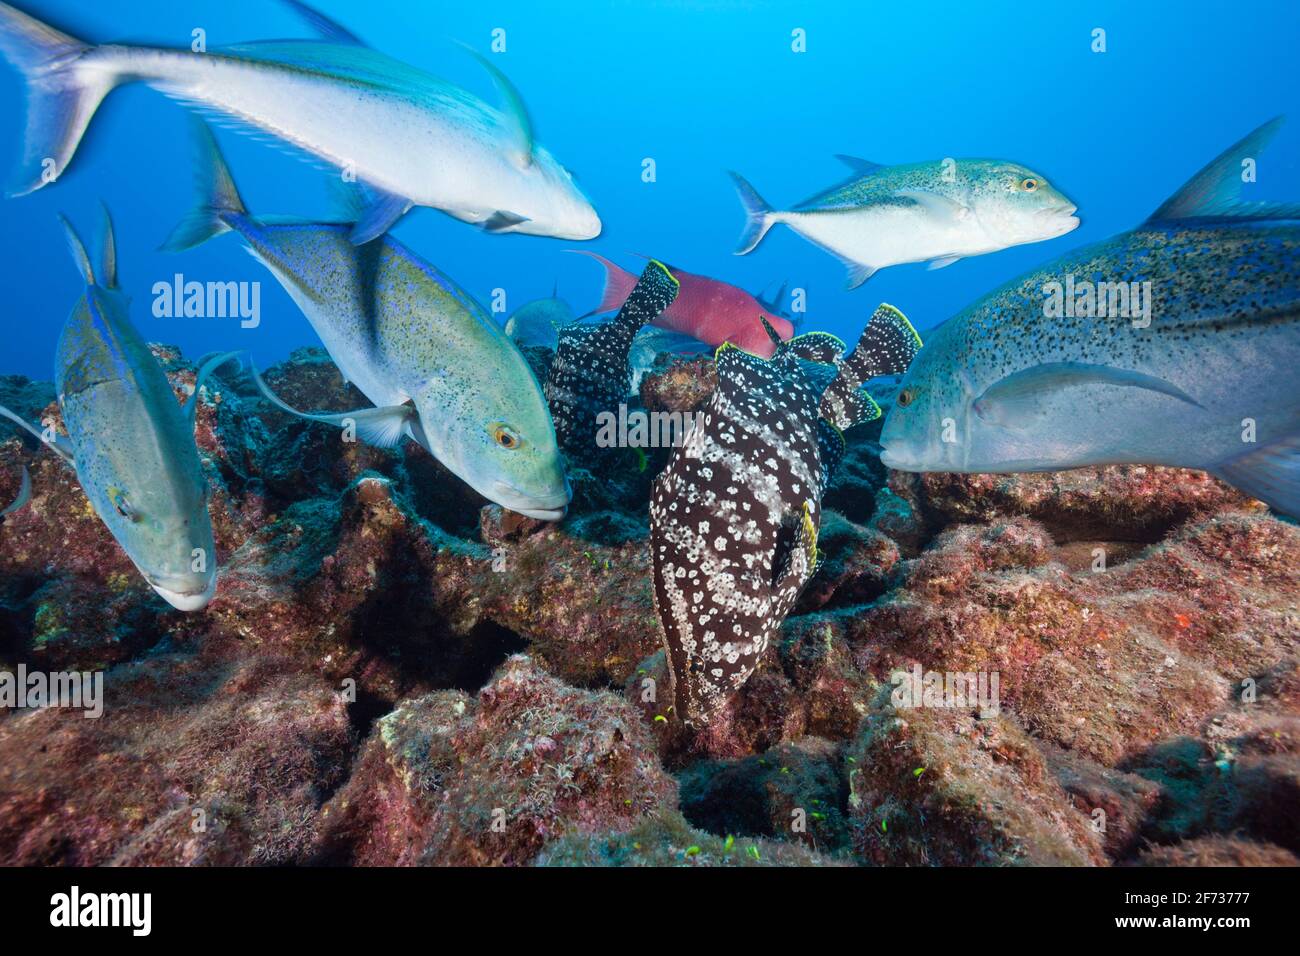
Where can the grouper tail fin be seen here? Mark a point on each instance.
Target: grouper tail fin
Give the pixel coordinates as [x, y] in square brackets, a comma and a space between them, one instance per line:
[63, 92]
[886, 347]
[218, 197]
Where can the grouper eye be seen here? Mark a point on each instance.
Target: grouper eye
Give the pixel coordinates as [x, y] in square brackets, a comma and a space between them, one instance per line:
[505, 436]
[1029, 185]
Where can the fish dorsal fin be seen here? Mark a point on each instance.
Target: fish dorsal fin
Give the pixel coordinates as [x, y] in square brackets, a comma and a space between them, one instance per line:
[863, 167]
[1215, 192]
[820, 347]
[108, 252]
[513, 108]
[323, 25]
[78, 249]
[772, 334]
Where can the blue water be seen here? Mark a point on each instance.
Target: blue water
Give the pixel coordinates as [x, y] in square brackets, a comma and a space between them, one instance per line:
[700, 87]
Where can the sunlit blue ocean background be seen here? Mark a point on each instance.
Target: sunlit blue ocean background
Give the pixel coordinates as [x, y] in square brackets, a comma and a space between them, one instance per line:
[699, 87]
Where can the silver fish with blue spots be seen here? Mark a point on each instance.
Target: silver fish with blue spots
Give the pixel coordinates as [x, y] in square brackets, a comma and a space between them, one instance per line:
[130, 440]
[1200, 373]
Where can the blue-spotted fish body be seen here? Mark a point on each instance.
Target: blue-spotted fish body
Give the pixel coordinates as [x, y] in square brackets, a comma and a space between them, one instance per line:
[130, 440]
[438, 369]
[935, 212]
[591, 372]
[734, 516]
[414, 138]
[1201, 375]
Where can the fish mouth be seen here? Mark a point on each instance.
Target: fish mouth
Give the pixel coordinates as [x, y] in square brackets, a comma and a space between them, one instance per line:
[892, 460]
[189, 599]
[1063, 217]
[550, 507]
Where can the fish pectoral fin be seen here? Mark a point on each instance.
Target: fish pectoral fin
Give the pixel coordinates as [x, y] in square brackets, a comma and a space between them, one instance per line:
[502, 221]
[942, 262]
[1016, 400]
[1270, 473]
[50, 438]
[796, 561]
[211, 365]
[24, 494]
[379, 215]
[383, 427]
[940, 207]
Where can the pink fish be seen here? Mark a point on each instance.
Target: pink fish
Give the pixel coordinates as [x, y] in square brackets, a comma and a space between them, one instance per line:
[706, 309]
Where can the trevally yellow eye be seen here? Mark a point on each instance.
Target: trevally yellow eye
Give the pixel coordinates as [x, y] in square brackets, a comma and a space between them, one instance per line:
[505, 436]
[1029, 185]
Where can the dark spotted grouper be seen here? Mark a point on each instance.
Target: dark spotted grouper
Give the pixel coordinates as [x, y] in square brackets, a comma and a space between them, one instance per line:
[1203, 375]
[590, 373]
[130, 441]
[735, 514]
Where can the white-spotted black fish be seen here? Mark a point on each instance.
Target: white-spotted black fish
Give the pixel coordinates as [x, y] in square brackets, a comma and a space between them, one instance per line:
[591, 372]
[130, 440]
[735, 514]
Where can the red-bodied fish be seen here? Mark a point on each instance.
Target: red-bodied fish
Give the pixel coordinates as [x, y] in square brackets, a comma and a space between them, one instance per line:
[706, 309]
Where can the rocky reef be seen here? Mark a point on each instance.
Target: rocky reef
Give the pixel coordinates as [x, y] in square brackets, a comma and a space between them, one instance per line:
[396, 672]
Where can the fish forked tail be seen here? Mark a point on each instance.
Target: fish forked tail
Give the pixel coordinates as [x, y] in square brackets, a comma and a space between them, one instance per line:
[107, 277]
[758, 215]
[218, 197]
[619, 284]
[886, 347]
[63, 92]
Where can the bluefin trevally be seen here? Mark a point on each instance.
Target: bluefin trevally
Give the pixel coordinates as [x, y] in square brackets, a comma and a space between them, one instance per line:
[438, 369]
[935, 212]
[413, 138]
[130, 440]
[735, 514]
[539, 322]
[591, 373]
[1177, 344]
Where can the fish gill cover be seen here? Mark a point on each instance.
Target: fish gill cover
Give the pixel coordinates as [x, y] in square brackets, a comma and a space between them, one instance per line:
[479, 555]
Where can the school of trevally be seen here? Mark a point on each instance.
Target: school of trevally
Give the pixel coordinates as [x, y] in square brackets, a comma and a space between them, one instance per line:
[445, 436]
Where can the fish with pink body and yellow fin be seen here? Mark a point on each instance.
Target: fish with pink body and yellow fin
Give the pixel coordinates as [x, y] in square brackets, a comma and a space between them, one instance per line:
[706, 309]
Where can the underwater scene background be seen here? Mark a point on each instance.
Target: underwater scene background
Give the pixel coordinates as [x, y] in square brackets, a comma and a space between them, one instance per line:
[407, 648]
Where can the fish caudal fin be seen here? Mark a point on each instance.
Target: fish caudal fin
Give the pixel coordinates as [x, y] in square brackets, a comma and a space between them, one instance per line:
[758, 215]
[1271, 474]
[886, 347]
[63, 93]
[218, 197]
[55, 442]
[619, 284]
[24, 495]
[208, 367]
